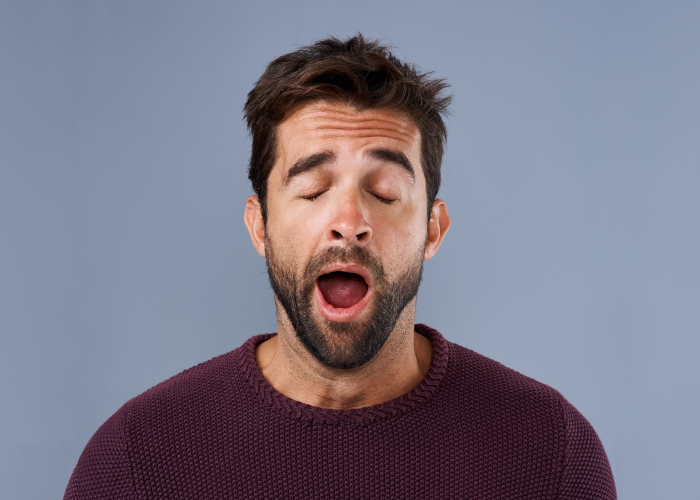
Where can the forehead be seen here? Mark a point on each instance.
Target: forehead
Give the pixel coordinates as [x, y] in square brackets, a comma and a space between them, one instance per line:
[328, 125]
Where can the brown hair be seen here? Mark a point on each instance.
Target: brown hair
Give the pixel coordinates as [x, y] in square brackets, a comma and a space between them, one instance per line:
[362, 73]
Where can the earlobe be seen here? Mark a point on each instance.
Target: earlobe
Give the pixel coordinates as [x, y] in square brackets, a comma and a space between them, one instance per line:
[438, 225]
[254, 222]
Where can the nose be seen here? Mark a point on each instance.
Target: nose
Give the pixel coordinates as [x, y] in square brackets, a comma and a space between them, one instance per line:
[349, 225]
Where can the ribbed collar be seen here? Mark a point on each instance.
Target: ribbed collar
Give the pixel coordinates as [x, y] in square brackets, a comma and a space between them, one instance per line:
[361, 416]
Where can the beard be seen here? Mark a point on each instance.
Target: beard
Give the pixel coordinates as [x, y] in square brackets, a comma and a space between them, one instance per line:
[342, 345]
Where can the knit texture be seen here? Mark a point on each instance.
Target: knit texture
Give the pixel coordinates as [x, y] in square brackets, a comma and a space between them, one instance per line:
[471, 429]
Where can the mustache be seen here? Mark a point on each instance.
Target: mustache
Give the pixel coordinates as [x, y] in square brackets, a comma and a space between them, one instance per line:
[356, 255]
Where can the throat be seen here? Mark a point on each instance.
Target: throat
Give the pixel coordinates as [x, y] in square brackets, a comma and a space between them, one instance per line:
[344, 390]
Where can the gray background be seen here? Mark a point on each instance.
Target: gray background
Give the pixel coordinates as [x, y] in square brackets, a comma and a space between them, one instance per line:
[572, 176]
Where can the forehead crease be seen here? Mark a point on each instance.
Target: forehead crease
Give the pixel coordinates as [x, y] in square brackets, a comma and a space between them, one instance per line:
[358, 118]
[362, 128]
[360, 122]
[363, 134]
[368, 125]
[346, 112]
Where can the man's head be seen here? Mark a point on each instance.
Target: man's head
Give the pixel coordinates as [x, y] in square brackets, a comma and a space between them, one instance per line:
[358, 72]
[344, 176]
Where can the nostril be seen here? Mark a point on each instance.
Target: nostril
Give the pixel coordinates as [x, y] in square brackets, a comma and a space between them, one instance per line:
[362, 236]
[337, 235]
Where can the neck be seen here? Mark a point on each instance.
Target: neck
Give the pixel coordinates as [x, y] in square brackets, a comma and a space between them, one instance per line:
[399, 367]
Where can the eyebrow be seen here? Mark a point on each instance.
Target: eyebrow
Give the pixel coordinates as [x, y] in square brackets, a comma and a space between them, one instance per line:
[317, 159]
[308, 163]
[395, 157]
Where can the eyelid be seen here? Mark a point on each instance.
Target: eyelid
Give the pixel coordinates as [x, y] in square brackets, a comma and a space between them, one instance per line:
[387, 201]
[314, 196]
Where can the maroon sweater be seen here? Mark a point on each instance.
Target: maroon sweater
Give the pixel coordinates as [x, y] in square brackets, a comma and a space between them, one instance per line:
[472, 429]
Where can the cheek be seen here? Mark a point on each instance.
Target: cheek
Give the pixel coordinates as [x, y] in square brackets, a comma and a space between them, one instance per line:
[294, 236]
[399, 243]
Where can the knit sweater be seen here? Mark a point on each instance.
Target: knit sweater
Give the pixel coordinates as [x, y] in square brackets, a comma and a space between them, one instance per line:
[471, 429]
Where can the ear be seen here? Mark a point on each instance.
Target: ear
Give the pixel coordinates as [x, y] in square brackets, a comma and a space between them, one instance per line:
[255, 224]
[438, 225]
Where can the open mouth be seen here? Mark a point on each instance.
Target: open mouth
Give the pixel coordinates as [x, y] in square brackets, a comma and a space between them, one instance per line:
[342, 290]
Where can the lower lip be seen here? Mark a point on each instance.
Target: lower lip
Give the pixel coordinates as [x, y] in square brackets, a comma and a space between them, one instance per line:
[341, 314]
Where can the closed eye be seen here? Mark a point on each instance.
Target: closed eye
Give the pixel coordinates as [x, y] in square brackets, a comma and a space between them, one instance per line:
[313, 196]
[382, 199]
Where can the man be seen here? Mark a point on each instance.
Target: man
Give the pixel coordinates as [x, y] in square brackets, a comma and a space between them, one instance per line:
[349, 399]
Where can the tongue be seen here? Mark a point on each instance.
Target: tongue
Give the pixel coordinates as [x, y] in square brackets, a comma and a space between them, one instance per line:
[342, 290]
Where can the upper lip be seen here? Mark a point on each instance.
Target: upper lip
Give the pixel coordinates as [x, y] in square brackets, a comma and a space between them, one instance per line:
[347, 267]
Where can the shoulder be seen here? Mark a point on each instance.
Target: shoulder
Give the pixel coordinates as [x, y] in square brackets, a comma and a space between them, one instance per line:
[192, 386]
[482, 393]
[492, 383]
[538, 417]
[152, 421]
[204, 392]
[104, 468]
[586, 470]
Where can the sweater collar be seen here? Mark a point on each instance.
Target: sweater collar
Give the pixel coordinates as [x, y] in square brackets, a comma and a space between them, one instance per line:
[269, 396]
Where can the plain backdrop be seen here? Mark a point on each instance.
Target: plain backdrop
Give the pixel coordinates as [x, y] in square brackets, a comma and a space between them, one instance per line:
[572, 176]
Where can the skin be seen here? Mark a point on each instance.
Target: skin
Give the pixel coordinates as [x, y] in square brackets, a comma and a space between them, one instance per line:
[352, 198]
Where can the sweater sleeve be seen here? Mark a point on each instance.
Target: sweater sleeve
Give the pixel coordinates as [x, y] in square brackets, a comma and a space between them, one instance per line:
[586, 473]
[104, 469]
